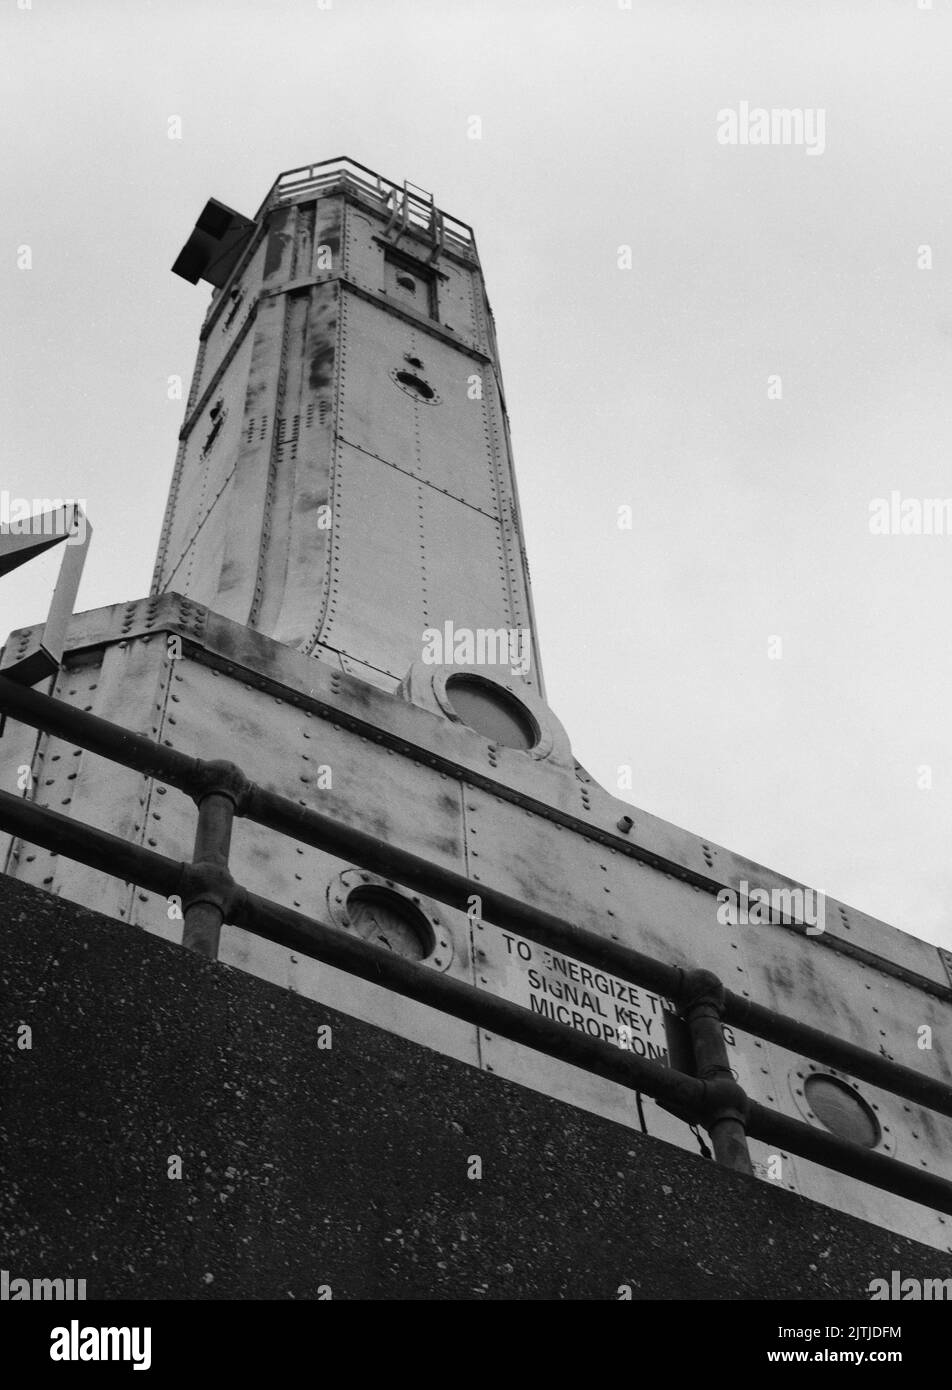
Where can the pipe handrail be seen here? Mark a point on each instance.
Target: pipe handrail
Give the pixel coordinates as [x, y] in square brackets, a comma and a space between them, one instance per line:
[211, 898]
[322, 831]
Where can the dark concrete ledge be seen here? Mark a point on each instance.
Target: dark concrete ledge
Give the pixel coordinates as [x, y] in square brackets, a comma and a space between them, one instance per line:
[304, 1167]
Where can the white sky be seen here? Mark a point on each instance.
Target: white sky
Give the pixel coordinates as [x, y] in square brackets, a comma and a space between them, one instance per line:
[645, 387]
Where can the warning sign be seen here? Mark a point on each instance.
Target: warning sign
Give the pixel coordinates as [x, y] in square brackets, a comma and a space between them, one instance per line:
[580, 996]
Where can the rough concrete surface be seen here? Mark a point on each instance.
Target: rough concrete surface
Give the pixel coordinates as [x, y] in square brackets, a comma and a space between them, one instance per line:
[306, 1168]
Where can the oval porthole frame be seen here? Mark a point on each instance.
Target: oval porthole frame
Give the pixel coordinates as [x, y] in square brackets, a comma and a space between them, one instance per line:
[536, 713]
[424, 685]
[804, 1070]
[397, 372]
[338, 890]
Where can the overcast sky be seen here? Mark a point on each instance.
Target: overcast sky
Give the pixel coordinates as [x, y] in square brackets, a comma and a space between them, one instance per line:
[644, 387]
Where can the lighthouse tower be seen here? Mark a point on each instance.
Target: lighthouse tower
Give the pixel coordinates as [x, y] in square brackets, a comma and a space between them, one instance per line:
[344, 481]
[341, 607]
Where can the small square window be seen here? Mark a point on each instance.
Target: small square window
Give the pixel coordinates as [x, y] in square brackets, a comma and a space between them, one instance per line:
[410, 283]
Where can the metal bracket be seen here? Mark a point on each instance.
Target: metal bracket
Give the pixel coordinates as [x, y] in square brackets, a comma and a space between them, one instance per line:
[46, 529]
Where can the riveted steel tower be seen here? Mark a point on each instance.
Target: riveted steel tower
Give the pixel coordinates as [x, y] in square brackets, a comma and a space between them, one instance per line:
[345, 479]
[342, 533]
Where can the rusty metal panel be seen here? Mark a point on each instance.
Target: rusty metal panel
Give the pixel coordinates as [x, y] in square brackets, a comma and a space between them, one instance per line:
[302, 228]
[296, 544]
[238, 302]
[310, 759]
[387, 524]
[376, 533]
[801, 976]
[442, 440]
[286, 750]
[328, 239]
[280, 244]
[457, 439]
[871, 934]
[470, 599]
[255, 497]
[20, 748]
[245, 507]
[457, 287]
[846, 924]
[290, 404]
[203, 479]
[652, 836]
[363, 256]
[606, 892]
[125, 684]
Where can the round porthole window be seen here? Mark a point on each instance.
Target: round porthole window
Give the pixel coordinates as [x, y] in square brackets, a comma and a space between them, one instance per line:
[381, 912]
[842, 1110]
[386, 919]
[492, 712]
[406, 282]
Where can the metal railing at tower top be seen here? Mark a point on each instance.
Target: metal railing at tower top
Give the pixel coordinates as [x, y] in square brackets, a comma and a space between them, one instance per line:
[413, 205]
[211, 898]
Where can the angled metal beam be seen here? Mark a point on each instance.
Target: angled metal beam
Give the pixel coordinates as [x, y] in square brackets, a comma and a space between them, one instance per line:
[65, 524]
[46, 530]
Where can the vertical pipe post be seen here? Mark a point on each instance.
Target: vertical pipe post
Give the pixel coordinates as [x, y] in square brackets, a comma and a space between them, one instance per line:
[218, 799]
[702, 1000]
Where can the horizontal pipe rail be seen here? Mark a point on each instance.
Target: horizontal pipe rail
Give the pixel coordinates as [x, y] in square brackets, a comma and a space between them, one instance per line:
[877, 1169]
[99, 735]
[284, 926]
[489, 1012]
[673, 1090]
[323, 832]
[38, 825]
[834, 1052]
[316, 828]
